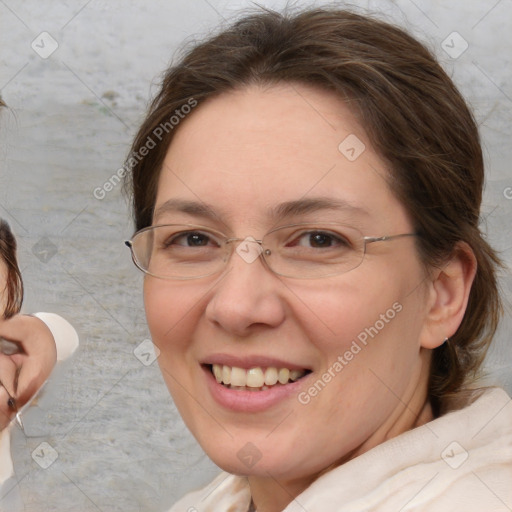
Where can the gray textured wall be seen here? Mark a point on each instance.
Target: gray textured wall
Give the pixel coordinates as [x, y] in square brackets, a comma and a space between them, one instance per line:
[108, 417]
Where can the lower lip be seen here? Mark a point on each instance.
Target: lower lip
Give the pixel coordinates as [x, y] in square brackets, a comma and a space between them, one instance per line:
[251, 401]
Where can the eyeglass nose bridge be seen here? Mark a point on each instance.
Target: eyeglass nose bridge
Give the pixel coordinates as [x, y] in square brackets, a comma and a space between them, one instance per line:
[246, 239]
[249, 249]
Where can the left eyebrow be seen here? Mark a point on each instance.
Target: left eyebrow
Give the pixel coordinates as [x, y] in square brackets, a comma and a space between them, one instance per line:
[314, 204]
[194, 208]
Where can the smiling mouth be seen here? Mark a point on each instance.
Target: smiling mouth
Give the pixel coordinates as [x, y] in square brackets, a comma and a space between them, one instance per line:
[254, 379]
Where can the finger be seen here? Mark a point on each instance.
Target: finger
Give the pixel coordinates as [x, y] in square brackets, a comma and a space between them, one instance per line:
[19, 328]
[38, 361]
[12, 327]
[7, 412]
[9, 348]
[8, 374]
[37, 358]
[32, 336]
[31, 376]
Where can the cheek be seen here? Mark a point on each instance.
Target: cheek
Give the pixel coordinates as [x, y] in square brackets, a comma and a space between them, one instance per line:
[171, 317]
[367, 318]
[159, 307]
[171, 311]
[343, 309]
[366, 336]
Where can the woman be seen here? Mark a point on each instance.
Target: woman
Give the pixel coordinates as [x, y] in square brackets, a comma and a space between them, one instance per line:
[29, 348]
[316, 280]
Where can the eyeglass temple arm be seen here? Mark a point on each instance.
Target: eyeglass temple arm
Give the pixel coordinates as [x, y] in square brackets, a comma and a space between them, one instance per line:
[371, 239]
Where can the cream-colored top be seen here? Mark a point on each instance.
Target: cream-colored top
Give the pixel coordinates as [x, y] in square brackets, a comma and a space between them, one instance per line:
[461, 461]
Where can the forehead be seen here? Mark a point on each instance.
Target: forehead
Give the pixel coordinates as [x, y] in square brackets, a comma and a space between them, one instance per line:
[246, 151]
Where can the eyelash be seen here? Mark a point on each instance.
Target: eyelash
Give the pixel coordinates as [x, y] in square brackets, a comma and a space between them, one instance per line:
[184, 235]
[335, 238]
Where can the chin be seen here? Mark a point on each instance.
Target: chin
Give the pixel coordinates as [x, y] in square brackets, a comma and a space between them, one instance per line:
[249, 461]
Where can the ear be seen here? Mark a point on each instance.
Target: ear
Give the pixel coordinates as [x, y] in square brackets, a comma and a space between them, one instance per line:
[448, 296]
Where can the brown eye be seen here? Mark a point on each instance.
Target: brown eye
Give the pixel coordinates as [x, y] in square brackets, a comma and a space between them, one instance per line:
[190, 239]
[197, 240]
[320, 240]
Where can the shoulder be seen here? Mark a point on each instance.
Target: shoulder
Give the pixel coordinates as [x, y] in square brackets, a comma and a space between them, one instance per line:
[459, 461]
[64, 334]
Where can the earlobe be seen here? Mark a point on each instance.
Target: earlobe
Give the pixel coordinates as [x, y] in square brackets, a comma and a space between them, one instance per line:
[449, 294]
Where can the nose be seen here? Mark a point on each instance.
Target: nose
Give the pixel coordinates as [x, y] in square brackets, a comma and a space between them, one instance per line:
[248, 296]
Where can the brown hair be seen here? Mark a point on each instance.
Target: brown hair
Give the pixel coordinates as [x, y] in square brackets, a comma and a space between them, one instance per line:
[14, 284]
[412, 112]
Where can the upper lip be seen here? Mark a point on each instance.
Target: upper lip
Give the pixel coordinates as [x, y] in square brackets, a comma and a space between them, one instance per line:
[253, 361]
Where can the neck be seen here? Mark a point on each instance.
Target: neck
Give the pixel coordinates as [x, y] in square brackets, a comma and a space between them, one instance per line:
[270, 494]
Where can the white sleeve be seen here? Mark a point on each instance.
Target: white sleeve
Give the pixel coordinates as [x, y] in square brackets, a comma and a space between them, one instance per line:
[6, 467]
[64, 334]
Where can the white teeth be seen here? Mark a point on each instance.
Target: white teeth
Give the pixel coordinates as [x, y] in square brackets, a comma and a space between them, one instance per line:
[296, 374]
[284, 375]
[255, 378]
[217, 371]
[238, 376]
[226, 374]
[270, 376]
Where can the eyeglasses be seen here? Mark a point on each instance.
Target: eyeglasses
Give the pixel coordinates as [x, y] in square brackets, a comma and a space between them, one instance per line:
[303, 251]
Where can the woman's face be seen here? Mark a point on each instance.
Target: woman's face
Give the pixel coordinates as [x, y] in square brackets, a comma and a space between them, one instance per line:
[258, 158]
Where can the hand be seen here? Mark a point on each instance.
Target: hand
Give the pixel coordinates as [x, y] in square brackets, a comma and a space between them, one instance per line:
[29, 359]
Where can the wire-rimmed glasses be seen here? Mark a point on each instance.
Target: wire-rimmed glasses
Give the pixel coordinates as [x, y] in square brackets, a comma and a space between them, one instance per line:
[302, 251]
